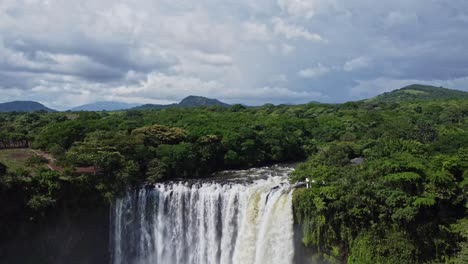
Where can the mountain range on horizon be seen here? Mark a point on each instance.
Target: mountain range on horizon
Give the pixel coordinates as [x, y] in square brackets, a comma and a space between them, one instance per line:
[413, 92]
[104, 106]
[189, 101]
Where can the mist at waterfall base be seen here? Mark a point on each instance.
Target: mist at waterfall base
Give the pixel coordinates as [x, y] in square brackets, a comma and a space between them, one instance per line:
[241, 217]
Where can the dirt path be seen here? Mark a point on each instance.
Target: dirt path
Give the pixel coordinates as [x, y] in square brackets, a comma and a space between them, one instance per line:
[47, 156]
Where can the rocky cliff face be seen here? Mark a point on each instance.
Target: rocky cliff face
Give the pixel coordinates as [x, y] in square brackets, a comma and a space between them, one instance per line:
[72, 237]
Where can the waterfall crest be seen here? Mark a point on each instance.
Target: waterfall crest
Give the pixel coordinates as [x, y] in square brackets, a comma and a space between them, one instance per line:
[234, 222]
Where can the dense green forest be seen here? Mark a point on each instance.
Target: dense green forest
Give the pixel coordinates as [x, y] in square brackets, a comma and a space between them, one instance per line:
[389, 179]
[418, 92]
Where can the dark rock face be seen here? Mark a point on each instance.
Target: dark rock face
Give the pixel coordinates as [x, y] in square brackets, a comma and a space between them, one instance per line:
[357, 161]
[69, 237]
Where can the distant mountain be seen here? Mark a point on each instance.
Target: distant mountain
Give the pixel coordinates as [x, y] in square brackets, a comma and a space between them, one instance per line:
[418, 92]
[24, 106]
[154, 106]
[194, 101]
[189, 101]
[104, 106]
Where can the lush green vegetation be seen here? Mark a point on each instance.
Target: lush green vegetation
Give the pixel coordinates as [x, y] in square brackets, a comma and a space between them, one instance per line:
[418, 92]
[406, 203]
[132, 147]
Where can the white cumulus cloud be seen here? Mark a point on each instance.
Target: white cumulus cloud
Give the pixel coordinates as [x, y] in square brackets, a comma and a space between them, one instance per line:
[306, 8]
[314, 72]
[291, 31]
[65, 53]
[357, 64]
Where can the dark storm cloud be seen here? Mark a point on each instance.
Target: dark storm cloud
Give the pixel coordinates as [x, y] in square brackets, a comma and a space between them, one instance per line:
[64, 52]
[106, 61]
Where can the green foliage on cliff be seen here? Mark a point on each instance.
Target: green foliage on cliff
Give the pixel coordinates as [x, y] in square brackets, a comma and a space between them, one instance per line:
[405, 203]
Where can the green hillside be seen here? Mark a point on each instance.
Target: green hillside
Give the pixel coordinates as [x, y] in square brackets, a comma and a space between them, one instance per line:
[418, 92]
[23, 106]
[194, 101]
[189, 101]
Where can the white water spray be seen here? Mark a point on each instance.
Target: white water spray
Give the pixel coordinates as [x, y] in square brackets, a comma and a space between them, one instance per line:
[207, 222]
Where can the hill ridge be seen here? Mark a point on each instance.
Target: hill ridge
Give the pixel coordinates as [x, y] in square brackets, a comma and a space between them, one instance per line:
[189, 101]
[24, 106]
[418, 92]
[104, 106]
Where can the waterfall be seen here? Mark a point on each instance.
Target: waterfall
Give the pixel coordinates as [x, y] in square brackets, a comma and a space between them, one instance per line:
[244, 219]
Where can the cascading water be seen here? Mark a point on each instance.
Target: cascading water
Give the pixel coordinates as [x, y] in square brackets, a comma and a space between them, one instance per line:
[242, 220]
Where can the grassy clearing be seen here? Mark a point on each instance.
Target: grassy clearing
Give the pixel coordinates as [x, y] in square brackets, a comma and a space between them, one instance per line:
[416, 92]
[15, 158]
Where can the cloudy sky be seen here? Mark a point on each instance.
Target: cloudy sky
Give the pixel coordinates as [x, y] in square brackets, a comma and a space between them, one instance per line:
[65, 53]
